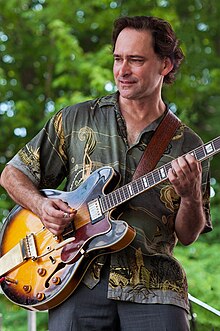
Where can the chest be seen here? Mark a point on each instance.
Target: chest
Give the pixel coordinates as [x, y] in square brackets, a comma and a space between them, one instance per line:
[134, 129]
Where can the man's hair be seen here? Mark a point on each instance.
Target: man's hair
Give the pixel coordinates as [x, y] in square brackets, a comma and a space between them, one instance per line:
[165, 43]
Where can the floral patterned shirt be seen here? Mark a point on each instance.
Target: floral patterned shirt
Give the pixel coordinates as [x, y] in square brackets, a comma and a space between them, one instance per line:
[82, 138]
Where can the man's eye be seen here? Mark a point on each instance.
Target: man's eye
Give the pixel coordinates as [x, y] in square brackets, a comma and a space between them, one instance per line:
[137, 60]
[117, 59]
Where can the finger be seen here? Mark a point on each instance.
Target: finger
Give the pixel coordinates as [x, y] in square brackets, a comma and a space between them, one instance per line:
[179, 168]
[187, 166]
[172, 174]
[193, 164]
[184, 168]
[60, 209]
[56, 230]
[70, 214]
[63, 206]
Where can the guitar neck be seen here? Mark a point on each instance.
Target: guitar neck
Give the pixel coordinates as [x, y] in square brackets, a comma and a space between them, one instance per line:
[144, 183]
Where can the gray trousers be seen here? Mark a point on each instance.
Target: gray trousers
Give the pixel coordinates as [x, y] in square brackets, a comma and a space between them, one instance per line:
[90, 310]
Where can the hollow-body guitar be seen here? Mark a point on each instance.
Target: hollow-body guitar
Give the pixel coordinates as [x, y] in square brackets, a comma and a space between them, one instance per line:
[38, 270]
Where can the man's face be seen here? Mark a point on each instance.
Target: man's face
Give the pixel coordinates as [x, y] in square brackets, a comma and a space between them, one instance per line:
[137, 68]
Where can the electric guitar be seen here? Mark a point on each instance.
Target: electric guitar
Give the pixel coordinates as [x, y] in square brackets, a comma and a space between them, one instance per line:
[38, 270]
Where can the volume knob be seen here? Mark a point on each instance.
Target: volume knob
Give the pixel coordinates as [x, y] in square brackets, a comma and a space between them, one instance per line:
[40, 296]
[27, 288]
[56, 280]
[41, 272]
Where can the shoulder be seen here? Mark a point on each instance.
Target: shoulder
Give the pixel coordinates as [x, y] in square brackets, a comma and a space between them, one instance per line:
[191, 138]
[187, 138]
[89, 106]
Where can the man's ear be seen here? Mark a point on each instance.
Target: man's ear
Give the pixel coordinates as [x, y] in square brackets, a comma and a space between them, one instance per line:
[167, 66]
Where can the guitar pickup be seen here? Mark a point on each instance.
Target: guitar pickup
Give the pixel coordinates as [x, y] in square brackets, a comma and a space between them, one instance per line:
[69, 231]
[95, 211]
[28, 247]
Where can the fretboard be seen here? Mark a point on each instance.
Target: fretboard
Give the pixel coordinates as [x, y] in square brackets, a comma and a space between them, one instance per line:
[158, 175]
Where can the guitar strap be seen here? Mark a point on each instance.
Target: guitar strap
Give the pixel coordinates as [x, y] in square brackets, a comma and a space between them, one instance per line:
[157, 145]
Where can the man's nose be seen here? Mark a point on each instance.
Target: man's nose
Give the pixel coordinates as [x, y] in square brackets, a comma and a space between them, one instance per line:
[125, 68]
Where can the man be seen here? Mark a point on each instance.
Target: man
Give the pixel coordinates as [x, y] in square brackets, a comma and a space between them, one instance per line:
[142, 287]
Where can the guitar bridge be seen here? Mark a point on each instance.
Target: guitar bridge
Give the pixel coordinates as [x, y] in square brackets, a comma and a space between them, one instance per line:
[95, 211]
[28, 247]
[24, 250]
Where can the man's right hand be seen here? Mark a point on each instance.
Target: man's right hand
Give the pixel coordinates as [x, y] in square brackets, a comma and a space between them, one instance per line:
[56, 215]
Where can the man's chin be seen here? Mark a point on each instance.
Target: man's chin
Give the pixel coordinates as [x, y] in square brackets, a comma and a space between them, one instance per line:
[126, 93]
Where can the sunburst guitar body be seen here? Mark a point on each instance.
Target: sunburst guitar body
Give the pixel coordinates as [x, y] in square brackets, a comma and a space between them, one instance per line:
[38, 270]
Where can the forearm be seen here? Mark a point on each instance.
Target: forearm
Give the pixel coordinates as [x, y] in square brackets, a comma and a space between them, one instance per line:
[190, 220]
[52, 212]
[21, 189]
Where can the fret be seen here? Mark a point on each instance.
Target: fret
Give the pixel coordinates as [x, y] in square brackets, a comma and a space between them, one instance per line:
[103, 204]
[145, 182]
[140, 184]
[156, 176]
[209, 148]
[135, 187]
[130, 188]
[216, 143]
[108, 202]
[199, 153]
[118, 197]
[127, 192]
[150, 179]
[122, 193]
[162, 172]
[113, 199]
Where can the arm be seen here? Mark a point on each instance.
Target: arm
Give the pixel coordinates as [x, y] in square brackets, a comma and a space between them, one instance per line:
[186, 177]
[25, 193]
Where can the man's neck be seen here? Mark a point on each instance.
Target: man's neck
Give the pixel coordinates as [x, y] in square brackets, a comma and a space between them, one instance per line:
[142, 110]
[138, 114]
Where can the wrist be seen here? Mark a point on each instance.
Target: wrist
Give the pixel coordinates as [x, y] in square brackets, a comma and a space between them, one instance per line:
[37, 202]
[192, 200]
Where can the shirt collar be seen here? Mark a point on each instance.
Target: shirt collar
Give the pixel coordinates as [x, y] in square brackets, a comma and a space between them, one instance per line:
[112, 100]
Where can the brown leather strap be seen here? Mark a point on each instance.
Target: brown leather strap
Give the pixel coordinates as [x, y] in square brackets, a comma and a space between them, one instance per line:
[157, 145]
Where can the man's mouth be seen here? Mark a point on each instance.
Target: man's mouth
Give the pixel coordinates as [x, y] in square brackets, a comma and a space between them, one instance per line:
[126, 82]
